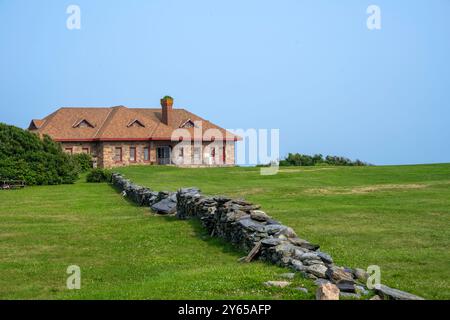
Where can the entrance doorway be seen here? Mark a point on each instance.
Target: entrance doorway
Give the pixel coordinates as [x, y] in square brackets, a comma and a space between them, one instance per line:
[163, 155]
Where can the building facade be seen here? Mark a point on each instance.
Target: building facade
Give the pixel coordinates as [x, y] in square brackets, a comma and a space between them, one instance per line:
[121, 136]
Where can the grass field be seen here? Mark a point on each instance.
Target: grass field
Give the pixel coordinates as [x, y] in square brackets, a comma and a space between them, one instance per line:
[397, 217]
[122, 250]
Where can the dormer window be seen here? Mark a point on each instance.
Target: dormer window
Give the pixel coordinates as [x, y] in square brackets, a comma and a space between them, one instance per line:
[188, 124]
[135, 123]
[83, 123]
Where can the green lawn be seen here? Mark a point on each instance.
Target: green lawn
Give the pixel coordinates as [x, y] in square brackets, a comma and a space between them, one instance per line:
[122, 250]
[397, 217]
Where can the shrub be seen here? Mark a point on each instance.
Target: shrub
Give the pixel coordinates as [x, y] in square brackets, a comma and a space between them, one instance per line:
[98, 175]
[24, 156]
[83, 161]
[296, 159]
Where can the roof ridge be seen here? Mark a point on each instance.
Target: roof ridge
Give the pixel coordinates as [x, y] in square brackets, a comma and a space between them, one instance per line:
[47, 118]
[107, 119]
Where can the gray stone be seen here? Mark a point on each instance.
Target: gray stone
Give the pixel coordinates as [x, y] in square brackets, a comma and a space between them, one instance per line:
[318, 270]
[346, 286]
[280, 236]
[395, 294]
[221, 199]
[173, 197]
[325, 257]
[238, 215]
[273, 228]
[304, 290]
[311, 262]
[298, 253]
[309, 246]
[297, 241]
[277, 284]
[287, 232]
[271, 241]
[192, 190]
[165, 206]
[336, 274]
[361, 275]
[259, 215]
[285, 248]
[285, 261]
[271, 221]
[307, 275]
[297, 265]
[318, 282]
[308, 256]
[251, 225]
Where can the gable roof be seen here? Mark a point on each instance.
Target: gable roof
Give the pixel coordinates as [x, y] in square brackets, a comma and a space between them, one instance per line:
[135, 121]
[81, 121]
[35, 124]
[116, 124]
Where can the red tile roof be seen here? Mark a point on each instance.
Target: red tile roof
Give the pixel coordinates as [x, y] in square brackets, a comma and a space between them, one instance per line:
[115, 123]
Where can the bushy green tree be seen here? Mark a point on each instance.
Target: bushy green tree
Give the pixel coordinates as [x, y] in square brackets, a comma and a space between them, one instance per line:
[24, 156]
[98, 175]
[297, 159]
[83, 161]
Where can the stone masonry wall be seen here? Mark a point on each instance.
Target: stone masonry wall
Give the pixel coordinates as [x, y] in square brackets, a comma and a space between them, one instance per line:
[104, 152]
[247, 227]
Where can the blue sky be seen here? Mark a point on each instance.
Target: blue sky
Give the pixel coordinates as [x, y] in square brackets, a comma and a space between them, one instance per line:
[310, 68]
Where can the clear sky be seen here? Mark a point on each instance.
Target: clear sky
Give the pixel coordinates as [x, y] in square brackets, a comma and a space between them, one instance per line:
[310, 68]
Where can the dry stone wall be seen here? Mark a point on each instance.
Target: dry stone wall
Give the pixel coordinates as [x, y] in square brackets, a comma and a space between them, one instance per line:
[247, 227]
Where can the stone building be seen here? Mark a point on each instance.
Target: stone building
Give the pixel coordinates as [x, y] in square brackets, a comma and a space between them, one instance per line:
[121, 136]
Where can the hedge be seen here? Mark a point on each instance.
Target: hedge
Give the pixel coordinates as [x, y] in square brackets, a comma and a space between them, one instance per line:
[25, 156]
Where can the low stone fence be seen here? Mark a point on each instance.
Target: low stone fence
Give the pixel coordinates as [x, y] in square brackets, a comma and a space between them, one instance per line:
[247, 227]
[163, 202]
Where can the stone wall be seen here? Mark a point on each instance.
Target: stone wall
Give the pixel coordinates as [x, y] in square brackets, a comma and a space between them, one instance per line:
[103, 153]
[108, 153]
[247, 227]
[92, 148]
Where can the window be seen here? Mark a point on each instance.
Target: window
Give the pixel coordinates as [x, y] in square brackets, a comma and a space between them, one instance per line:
[83, 123]
[132, 154]
[118, 154]
[146, 154]
[213, 153]
[181, 155]
[188, 124]
[69, 150]
[85, 150]
[135, 123]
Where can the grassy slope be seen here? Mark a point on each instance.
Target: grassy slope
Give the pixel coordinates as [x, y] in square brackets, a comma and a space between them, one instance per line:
[123, 252]
[397, 217]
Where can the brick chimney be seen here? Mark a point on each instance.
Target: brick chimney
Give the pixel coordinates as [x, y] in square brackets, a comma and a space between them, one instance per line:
[166, 106]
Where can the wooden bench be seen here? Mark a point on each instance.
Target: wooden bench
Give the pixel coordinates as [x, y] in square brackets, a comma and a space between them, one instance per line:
[11, 184]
